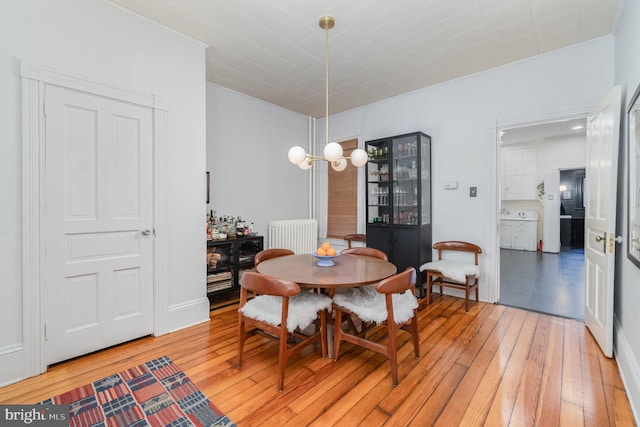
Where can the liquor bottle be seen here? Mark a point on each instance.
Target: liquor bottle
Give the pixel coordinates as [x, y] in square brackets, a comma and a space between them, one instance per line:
[239, 227]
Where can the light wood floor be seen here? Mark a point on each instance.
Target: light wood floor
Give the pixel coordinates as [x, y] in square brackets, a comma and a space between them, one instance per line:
[495, 365]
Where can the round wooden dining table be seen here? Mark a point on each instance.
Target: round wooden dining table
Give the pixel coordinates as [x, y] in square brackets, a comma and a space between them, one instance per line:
[348, 271]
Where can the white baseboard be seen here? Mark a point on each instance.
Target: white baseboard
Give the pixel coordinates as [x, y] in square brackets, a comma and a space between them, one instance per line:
[187, 314]
[629, 369]
[11, 364]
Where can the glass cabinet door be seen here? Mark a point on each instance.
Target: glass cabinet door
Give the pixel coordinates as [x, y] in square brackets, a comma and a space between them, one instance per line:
[405, 180]
[247, 250]
[378, 183]
[219, 262]
[425, 180]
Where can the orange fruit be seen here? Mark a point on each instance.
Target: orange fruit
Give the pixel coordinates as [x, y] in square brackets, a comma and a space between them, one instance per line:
[326, 245]
[321, 252]
[331, 252]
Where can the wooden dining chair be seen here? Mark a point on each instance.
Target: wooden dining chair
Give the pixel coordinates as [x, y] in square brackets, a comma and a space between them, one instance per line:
[372, 252]
[355, 238]
[280, 312]
[453, 273]
[392, 303]
[270, 253]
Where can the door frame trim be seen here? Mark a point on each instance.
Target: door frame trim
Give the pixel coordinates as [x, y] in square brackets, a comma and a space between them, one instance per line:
[34, 79]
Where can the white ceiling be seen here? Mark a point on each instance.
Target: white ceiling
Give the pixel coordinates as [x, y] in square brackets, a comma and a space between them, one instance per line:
[274, 50]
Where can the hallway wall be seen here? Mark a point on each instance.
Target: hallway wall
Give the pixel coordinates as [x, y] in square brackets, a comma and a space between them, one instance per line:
[627, 275]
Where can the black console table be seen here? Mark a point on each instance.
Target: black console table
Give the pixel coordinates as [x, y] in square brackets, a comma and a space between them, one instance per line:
[227, 260]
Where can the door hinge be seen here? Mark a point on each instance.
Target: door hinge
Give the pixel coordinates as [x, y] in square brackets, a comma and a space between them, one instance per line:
[45, 331]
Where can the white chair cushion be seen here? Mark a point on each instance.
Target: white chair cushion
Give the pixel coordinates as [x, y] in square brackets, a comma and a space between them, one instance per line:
[453, 270]
[303, 309]
[371, 306]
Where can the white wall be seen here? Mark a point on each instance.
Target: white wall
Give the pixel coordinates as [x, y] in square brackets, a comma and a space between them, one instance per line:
[627, 290]
[461, 116]
[247, 144]
[98, 41]
[562, 152]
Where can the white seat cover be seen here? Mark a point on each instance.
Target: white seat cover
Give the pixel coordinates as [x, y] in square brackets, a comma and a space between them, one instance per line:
[370, 305]
[303, 309]
[453, 270]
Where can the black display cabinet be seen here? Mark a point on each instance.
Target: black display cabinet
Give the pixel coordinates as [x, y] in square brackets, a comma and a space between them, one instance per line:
[399, 199]
[227, 260]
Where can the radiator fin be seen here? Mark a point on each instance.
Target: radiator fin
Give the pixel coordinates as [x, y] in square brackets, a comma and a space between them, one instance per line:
[299, 235]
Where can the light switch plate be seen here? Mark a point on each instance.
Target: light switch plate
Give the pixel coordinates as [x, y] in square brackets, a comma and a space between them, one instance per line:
[473, 191]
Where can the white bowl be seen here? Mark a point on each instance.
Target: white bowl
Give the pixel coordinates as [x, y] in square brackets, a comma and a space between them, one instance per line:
[325, 261]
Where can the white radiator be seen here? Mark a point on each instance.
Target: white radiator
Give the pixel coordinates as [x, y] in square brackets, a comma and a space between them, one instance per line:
[299, 235]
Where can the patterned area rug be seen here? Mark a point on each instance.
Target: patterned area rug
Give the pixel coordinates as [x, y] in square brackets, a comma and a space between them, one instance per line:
[156, 393]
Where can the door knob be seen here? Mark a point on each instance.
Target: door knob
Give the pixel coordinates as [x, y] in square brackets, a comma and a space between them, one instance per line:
[145, 232]
[602, 239]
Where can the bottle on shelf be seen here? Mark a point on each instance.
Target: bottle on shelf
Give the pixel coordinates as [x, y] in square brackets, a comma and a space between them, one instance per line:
[239, 227]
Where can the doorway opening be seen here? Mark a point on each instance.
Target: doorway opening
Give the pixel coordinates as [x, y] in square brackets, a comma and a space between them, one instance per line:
[541, 173]
[572, 187]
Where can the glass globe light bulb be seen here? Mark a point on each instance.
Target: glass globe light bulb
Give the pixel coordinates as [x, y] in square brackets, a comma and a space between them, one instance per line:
[359, 157]
[296, 155]
[305, 164]
[333, 151]
[339, 165]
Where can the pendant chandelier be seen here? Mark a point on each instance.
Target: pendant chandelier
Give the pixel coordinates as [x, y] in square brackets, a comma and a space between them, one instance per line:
[332, 150]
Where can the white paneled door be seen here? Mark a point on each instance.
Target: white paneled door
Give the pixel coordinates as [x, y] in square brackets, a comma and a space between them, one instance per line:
[603, 131]
[98, 222]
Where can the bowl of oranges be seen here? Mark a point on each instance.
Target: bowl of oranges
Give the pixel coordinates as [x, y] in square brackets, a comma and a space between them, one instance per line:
[325, 255]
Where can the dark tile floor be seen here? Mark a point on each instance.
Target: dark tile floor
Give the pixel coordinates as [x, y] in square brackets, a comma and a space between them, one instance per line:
[547, 283]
